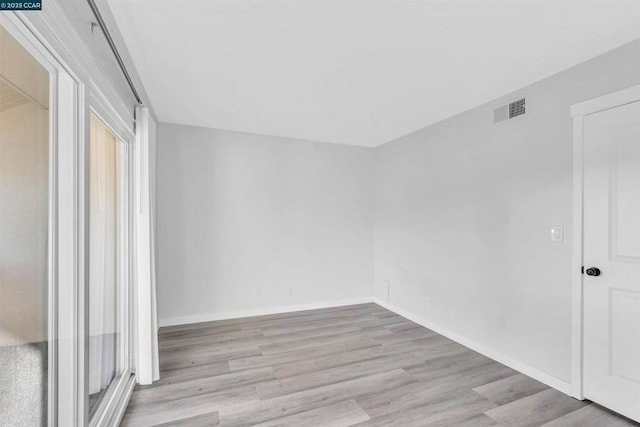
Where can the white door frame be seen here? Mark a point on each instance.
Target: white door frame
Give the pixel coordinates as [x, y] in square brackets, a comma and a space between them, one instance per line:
[66, 249]
[578, 112]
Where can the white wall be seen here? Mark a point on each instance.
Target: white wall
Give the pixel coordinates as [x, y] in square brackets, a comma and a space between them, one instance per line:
[460, 211]
[464, 210]
[241, 214]
[24, 156]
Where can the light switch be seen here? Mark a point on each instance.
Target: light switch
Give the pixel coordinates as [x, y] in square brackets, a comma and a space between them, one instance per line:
[557, 234]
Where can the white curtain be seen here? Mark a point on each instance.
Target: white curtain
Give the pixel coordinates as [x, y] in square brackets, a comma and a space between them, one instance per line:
[147, 368]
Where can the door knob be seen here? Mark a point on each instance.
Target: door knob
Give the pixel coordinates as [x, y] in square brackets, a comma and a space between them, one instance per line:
[593, 271]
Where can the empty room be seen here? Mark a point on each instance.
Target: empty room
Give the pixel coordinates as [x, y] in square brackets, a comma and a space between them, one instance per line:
[320, 213]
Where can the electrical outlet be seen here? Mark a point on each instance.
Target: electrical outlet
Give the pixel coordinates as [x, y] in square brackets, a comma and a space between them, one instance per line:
[388, 283]
[290, 290]
[258, 292]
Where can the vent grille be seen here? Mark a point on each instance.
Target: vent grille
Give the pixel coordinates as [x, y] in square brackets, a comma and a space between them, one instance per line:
[517, 108]
[509, 111]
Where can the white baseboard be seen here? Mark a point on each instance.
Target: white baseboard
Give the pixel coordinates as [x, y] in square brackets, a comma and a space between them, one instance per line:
[534, 373]
[210, 317]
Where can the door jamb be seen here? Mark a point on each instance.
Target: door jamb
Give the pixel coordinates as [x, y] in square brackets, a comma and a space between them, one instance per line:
[578, 112]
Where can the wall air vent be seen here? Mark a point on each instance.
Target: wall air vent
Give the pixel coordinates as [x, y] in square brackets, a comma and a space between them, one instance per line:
[516, 108]
[509, 111]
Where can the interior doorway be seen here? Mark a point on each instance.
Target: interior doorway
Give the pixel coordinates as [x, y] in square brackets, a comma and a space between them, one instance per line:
[608, 144]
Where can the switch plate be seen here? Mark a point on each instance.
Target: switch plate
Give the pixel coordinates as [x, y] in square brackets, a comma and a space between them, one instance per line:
[557, 234]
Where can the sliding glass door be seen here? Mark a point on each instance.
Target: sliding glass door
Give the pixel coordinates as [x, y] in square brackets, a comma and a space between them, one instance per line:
[108, 273]
[24, 235]
[65, 237]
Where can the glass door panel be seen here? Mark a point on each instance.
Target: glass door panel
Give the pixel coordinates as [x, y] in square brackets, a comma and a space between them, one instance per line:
[24, 234]
[106, 245]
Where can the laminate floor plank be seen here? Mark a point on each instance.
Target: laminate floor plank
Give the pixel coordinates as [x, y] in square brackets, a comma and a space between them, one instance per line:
[360, 321]
[210, 419]
[419, 393]
[480, 420]
[172, 376]
[210, 338]
[277, 407]
[178, 409]
[402, 325]
[318, 378]
[341, 366]
[312, 321]
[535, 410]
[171, 332]
[204, 357]
[199, 386]
[300, 355]
[320, 341]
[509, 389]
[341, 414]
[406, 335]
[591, 416]
[256, 338]
[470, 373]
[455, 361]
[298, 367]
[438, 413]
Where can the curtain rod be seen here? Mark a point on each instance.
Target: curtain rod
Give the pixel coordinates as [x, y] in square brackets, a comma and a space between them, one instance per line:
[114, 49]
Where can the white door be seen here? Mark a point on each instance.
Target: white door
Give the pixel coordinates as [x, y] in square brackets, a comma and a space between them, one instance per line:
[612, 258]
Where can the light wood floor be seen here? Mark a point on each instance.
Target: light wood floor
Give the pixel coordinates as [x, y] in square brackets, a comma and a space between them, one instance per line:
[359, 365]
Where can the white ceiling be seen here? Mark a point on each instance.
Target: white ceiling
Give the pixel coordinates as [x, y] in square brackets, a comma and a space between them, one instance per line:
[9, 96]
[354, 72]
